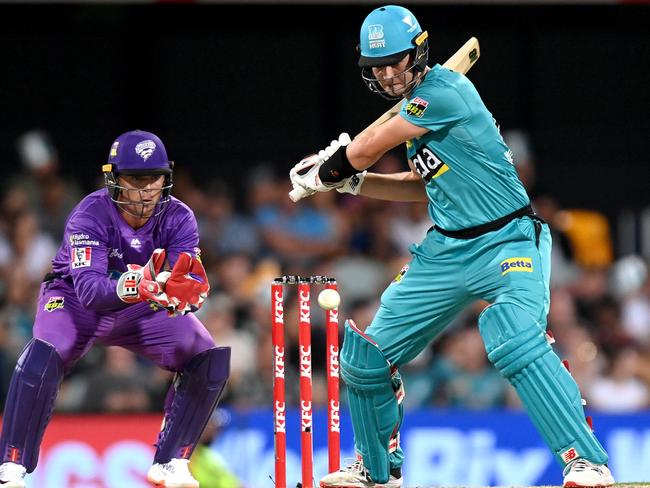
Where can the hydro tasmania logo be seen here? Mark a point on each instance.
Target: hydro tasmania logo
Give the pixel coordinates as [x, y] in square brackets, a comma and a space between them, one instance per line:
[516, 264]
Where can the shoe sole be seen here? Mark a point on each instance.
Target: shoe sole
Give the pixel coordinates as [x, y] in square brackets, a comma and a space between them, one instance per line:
[162, 484]
[573, 484]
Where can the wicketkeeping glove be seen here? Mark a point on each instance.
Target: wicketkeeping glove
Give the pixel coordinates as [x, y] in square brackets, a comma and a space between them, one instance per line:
[187, 287]
[304, 175]
[138, 283]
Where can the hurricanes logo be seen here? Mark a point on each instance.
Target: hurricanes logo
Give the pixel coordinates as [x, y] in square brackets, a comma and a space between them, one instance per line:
[516, 264]
[145, 149]
[54, 303]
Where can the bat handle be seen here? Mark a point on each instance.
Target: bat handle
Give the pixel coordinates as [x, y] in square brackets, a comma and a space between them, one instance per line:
[298, 193]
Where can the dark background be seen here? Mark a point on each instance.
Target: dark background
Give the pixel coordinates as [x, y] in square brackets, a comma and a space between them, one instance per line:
[230, 86]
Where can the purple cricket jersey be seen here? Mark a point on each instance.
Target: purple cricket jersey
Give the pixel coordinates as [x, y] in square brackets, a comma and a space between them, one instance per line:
[98, 244]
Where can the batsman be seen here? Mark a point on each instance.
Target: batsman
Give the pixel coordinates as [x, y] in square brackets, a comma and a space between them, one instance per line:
[486, 243]
[109, 286]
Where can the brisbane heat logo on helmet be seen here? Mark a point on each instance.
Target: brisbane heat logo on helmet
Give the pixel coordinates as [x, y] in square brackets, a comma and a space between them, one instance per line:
[145, 149]
[376, 36]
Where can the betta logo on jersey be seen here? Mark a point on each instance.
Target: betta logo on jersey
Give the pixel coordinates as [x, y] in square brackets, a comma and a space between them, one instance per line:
[376, 36]
[81, 257]
[145, 149]
[54, 303]
[416, 107]
[516, 264]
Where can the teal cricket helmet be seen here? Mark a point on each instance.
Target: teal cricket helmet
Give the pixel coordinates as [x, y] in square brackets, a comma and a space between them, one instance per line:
[387, 34]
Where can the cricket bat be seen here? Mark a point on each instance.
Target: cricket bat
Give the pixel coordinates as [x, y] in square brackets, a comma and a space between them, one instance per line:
[461, 62]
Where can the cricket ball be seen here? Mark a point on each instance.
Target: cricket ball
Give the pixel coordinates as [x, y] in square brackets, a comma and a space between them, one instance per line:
[329, 299]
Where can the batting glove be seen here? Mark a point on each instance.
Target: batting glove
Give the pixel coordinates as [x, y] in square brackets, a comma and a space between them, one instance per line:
[304, 175]
[352, 184]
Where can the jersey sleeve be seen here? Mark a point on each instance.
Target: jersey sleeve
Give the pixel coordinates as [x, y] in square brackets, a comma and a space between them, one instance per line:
[184, 237]
[87, 239]
[435, 108]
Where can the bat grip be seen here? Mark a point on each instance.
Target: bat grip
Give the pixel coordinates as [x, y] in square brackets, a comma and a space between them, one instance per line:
[297, 193]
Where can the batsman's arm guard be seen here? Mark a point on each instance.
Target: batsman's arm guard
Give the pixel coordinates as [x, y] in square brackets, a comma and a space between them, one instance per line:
[374, 407]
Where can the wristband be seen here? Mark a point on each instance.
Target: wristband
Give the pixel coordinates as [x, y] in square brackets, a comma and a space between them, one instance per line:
[336, 168]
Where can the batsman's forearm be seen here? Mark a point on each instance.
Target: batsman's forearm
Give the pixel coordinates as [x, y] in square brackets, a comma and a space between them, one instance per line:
[396, 187]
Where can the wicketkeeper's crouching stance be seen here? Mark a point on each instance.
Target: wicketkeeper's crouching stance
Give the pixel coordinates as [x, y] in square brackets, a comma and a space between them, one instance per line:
[108, 286]
[487, 243]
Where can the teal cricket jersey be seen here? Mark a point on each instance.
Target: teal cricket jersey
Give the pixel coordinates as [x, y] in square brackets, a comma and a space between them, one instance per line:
[466, 165]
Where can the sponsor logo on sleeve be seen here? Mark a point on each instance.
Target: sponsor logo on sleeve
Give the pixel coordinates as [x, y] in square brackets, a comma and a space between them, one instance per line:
[81, 257]
[416, 107]
[401, 274]
[80, 239]
[516, 264]
[54, 303]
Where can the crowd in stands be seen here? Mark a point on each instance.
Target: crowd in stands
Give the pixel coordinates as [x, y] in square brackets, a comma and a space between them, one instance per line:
[599, 316]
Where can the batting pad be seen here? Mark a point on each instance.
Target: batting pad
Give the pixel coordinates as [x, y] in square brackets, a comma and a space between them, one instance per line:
[374, 409]
[517, 346]
[30, 402]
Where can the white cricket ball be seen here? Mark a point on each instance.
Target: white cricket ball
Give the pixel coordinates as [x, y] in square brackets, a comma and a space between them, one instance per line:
[162, 277]
[329, 299]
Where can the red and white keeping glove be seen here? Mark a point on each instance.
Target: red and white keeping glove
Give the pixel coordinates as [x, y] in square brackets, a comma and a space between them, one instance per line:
[139, 284]
[187, 286]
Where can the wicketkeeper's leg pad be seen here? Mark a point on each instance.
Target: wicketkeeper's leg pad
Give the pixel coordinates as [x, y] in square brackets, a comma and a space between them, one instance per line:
[195, 396]
[30, 401]
[374, 407]
[516, 344]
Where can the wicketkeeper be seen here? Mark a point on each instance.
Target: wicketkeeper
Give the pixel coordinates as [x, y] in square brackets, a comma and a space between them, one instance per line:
[487, 243]
[109, 286]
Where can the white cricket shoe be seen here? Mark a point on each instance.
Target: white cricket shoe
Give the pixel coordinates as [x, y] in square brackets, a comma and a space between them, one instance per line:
[12, 475]
[585, 474]
[174, 474]
[356, 476]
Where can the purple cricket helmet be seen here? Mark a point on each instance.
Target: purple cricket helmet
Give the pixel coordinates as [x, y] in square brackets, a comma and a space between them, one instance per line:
[137, 153]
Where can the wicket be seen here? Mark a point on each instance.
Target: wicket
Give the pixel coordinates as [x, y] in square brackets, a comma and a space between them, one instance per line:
[304, 340]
